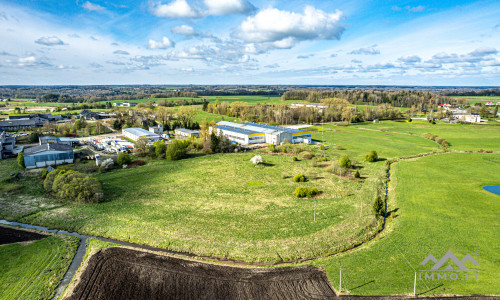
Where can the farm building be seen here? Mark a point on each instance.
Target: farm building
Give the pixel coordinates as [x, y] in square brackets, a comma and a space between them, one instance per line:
[183, 132]
[16, 124]
[308, 105]
[49, 139]
[136, 133]
[48, 155]
[8, 146]
[156, 129]
[125, 104]
[253, 133]
[466, 117]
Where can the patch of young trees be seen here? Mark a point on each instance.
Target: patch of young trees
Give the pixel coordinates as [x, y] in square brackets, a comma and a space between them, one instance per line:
[73, 186]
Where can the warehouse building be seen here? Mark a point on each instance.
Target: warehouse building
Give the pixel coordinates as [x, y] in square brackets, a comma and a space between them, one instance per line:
[186, 133]
[254, 133]
[136, 133]
[48, 155]
[49, 139]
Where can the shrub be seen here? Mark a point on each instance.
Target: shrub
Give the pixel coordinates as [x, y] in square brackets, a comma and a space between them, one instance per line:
[177, 149]
[295, 158]
[20, 160]
[357, 175]
[307, 155]
[338, 147]
[323, 159]
[257, 159]
[124, 159]
[160, 149]
[302, 192]
[345, 161]
[140, 146]
[49, 180]
[378, 207]
[44, 173]
[273, 148]
[107, 164]
[299, 178]
[77, 187]
[372, 156]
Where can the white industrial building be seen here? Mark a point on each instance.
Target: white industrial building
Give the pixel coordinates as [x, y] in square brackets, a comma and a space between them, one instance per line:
[183, 132]
[136, 133]
[254, 133]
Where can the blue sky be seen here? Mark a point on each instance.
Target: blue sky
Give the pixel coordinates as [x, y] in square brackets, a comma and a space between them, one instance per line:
[250, 42]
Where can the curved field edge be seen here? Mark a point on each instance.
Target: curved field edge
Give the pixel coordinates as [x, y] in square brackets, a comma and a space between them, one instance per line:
[35, 270]
[429, 216]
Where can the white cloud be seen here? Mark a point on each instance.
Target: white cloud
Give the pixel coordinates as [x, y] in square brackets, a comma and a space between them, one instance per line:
[228, 7]
[411, 59]
[174, 9]
[184, 29]
[49, 41]
[366, 51]
[163, 44]
[419, 8]
[312, 24]
[27, 61]
[92, 7]
[121, 52]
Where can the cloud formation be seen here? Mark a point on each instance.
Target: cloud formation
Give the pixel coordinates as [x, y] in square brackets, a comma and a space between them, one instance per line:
[49, 41]
[366, 51]
[163, 44]
[121, 52]
[228, 7]
[92, 7]
[175, 9]
[312, 24]
[184, 30]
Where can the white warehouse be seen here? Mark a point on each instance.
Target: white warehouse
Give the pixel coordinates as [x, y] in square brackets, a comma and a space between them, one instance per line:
[136, 133]
[254, 133]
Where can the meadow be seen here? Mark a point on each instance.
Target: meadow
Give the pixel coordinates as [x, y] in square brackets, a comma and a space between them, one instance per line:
[34, 271]
[436, 204]
[229, 208]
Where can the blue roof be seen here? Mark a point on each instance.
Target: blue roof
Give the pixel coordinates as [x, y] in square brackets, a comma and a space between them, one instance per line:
[236, 129]
[274, 127]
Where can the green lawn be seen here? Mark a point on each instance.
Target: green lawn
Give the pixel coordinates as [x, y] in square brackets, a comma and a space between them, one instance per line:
[34, 271]
[223, 212]
[461, 137]
[440, 206]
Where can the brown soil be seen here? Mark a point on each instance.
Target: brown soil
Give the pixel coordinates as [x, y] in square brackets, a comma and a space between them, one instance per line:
[121, 273]
[10, 235]
[136, 163]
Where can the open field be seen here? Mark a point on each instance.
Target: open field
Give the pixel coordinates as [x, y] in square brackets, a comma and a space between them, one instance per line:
[460, 137]
[225, 213]
[478, 99]
[437, 205]
[120, 273]
[33, 271]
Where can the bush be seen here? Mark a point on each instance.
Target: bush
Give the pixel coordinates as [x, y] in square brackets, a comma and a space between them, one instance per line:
[302, 192]
[338, 147]
[357, 175]
[73, 186]
[49, 180]
[345, 161]
[299, 178]
[307, 155]
[160, 149]
[378, 207]
[323, 159]
[273, 148]
[295, 158]
[124, 159]
[107, 164]
[44, 173]
[140, 146]
[20, 160]
[177, 149]
[372, 156]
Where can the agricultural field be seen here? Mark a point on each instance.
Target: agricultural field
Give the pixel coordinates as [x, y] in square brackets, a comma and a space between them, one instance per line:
[478, 99]
[436, 204]
[34, 270]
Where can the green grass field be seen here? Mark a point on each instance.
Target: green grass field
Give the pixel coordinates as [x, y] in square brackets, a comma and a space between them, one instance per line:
[440, 206]
[225, 213]
[461, 137]
[34, 271]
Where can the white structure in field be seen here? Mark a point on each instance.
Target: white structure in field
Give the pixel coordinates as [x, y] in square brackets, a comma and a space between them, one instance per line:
[183, 132]
[465, 117]
[254, 133]
[136, 133]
